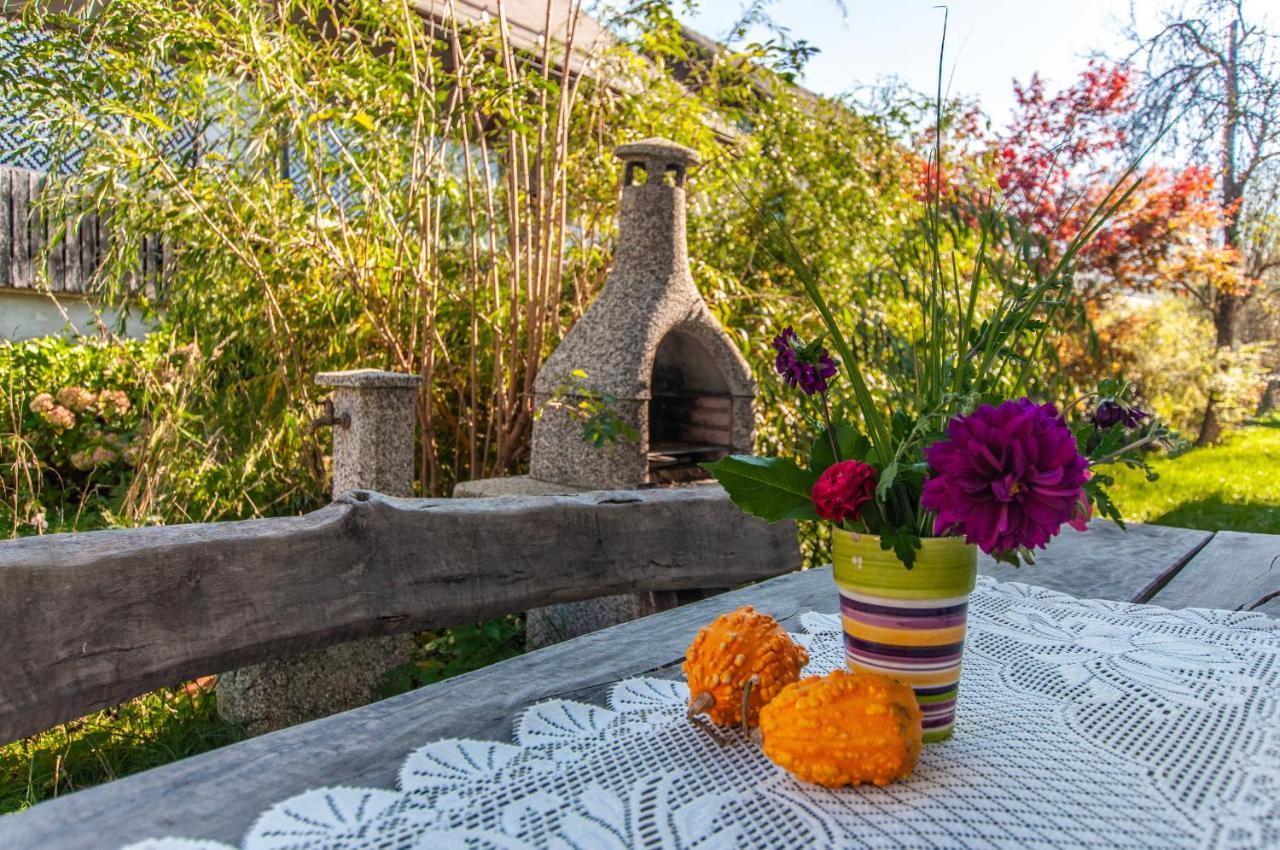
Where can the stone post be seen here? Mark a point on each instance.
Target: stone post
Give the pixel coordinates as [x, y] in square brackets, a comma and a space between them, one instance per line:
[372, 417]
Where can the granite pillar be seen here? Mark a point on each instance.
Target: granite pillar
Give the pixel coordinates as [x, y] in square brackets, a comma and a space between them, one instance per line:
[373, 421]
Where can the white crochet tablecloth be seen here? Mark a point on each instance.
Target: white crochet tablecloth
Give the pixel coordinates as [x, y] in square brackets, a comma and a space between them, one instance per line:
[1082, 724]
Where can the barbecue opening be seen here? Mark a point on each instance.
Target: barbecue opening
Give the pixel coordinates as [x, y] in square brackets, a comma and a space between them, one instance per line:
[690, 411]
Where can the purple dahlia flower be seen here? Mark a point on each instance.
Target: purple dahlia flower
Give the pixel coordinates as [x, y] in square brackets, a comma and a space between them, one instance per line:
[1112, 413]
[1006, 476]
[806, 367]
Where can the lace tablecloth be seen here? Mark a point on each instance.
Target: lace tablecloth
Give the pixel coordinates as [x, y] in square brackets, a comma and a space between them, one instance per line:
[1082, 724]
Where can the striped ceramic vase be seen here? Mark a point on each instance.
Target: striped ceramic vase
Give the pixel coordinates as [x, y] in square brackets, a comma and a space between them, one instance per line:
[908, 624]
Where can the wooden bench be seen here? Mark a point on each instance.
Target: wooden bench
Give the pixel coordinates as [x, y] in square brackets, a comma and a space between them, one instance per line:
[92, 619]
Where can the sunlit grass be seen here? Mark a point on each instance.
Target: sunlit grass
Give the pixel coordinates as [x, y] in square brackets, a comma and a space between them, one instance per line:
[1234, 486]
[152, 730]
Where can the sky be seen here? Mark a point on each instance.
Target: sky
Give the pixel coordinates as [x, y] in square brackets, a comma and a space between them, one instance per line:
[989, 42]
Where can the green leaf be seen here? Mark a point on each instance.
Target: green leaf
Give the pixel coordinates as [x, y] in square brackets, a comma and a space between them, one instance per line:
[887, 476]
[904, 543]
[772, 488]
[852, 445]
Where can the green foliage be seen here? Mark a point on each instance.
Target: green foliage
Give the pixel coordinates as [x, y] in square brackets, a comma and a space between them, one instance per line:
[360, 218]
[446, 653]
[602, 425]
[143, 733]
[1162, 346]
[71, 431]
[772, 488]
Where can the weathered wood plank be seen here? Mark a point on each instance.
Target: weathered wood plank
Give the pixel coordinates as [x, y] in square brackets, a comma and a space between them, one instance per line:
[1235, 571]
[94, 618]
[54, 247]
[218, 795]
[19, 194]
[36, 228]
[73, 246]
[72, 263]
[90, 259]
[1107, 562]
[6, 227]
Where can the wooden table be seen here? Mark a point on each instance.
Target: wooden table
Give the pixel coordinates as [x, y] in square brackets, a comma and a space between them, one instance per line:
[217, 795]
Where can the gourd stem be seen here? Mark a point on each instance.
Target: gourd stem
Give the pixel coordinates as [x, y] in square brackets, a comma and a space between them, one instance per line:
[746, 701]
[700, 703]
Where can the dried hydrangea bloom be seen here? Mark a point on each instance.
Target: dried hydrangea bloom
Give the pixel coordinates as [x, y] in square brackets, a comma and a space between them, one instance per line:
[61, 417]
[76, 398]
[102, 455]
[113, 401]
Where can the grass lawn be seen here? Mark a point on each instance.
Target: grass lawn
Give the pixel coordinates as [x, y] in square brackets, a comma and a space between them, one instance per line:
[1234, 486]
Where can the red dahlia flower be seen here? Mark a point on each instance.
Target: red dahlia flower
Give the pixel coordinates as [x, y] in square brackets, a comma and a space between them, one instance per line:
[842, 490]
[1006, 476]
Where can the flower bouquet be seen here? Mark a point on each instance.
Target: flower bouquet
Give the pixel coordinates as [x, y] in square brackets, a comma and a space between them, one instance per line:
[953, 456]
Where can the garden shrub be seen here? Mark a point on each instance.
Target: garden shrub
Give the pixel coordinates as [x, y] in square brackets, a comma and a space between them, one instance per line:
[72, 432]
[1166, 348]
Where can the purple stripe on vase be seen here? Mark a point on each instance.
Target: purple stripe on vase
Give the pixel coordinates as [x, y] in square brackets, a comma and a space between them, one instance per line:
[850, 603]
[902, 651]
[897, 665]
[927, 658]
[894, 622]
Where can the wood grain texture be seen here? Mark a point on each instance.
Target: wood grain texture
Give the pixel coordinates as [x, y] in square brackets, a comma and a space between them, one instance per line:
[6, 227]
[218, 795]
[73, 248]
[71, 262]
[20, 273]
[1106, 562]
[1234, 571]
[91, 619]
[35, 230]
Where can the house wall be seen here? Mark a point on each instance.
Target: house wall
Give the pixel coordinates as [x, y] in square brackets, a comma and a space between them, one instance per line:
[27, 314]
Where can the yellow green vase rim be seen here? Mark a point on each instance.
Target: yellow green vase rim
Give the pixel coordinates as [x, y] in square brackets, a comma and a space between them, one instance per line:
[944, 567]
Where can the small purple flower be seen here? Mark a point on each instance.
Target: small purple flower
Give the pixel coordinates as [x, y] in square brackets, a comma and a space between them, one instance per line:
[1112, 413]
[1006, 476]
[805, 366]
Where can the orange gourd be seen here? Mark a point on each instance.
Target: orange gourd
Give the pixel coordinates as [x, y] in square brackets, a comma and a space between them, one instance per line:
[741, 659]
[845, 728]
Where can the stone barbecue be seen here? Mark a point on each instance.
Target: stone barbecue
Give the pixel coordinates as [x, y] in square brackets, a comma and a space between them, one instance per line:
[649, 342]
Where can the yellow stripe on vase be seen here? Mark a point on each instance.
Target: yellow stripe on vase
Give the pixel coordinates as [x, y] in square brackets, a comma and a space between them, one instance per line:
[914, 678]
[904, 637]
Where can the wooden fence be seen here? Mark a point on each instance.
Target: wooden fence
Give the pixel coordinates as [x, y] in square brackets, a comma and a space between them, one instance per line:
[90, 619]
[74, 261]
